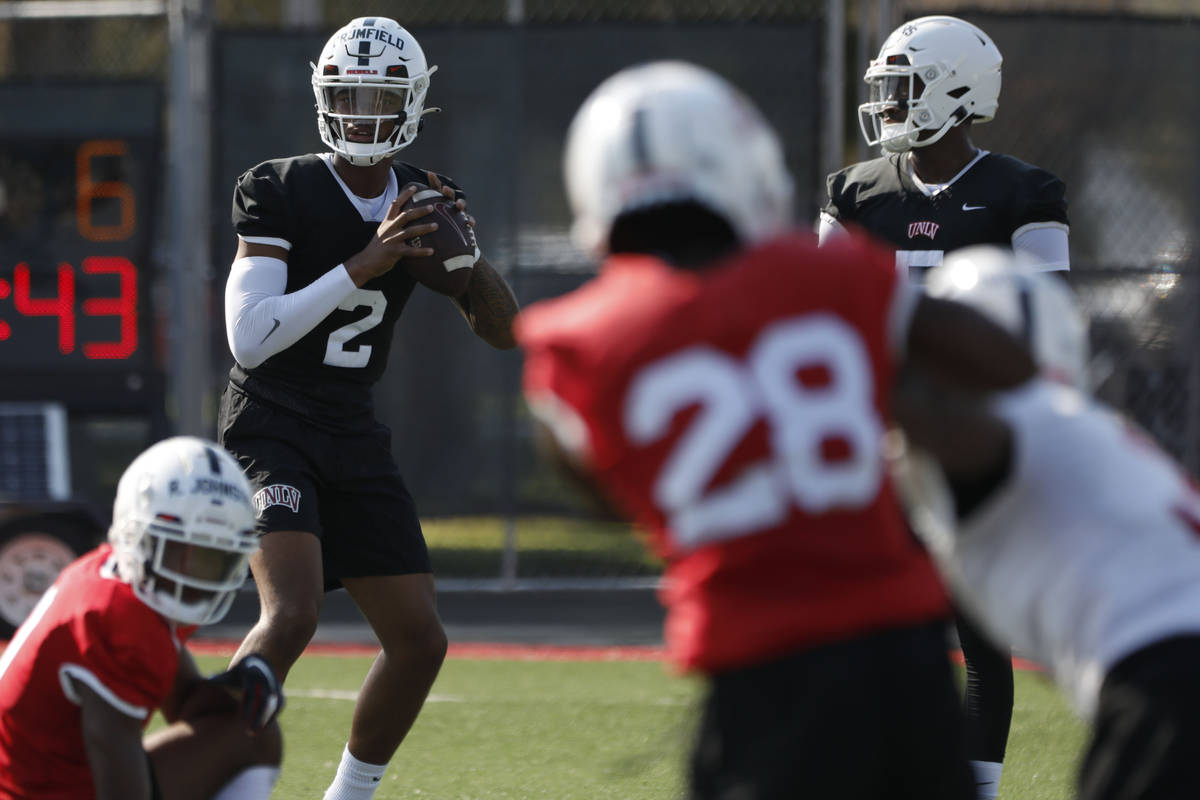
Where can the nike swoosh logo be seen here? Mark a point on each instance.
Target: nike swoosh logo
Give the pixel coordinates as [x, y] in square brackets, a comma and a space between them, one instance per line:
[273, 327]
[972, 208]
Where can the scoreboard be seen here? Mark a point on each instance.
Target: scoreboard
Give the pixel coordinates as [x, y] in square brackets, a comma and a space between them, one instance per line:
[79, 169]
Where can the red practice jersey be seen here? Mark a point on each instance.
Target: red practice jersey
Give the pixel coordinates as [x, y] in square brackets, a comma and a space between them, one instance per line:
[738, 414]
[90, 627]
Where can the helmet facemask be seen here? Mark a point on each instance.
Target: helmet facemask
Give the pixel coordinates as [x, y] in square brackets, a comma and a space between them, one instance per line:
[193, 582]
[902, 105]
[366, 119]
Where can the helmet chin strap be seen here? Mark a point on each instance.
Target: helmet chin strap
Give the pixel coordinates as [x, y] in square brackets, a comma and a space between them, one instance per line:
[910, 139]
[370, 156]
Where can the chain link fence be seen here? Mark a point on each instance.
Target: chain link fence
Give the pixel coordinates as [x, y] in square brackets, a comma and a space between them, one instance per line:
[1107, 104]
[1092, 92]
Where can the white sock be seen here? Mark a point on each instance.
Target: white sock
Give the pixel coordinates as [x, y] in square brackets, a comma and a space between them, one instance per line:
[252, 783]
[987, 779]
[355, 780]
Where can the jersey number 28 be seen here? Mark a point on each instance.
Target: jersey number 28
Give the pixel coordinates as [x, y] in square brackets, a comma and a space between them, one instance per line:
[733, 395]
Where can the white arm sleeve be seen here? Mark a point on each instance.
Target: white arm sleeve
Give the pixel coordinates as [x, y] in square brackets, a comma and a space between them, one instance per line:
[260, 320]
[828, 228]
[1044, 244]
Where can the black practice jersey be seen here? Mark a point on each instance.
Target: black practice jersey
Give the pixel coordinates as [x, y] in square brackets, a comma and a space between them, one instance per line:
[987, 204]
[327, 375]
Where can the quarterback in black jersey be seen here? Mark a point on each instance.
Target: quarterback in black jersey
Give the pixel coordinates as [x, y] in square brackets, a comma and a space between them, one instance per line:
[311, 302]
[933, 191]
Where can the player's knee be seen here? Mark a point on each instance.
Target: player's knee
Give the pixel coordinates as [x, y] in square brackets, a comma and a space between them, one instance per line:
[296, 622]
[430, 645]
[424, 645]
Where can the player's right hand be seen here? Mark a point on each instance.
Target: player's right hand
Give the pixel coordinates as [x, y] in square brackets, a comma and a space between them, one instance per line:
[260, 695]
[390, 243]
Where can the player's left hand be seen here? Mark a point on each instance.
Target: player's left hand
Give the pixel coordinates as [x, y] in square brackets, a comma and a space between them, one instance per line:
[436, 183]
[261, 695]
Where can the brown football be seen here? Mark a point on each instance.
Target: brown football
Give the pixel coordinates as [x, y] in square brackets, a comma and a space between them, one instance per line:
[448, 270]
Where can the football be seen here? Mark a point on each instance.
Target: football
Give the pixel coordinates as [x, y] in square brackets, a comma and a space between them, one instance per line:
[448, 270]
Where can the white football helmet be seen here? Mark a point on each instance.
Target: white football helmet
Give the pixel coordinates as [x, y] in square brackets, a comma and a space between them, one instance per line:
[938, 72]
[370, 85]
[670, 132]
[1034, 306]
[183, 529]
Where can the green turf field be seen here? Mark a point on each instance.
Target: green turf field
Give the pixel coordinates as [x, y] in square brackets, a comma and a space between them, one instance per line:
[554, 729]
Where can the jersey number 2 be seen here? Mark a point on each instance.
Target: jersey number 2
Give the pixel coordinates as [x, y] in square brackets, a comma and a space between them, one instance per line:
[732, 396]
[337, 354]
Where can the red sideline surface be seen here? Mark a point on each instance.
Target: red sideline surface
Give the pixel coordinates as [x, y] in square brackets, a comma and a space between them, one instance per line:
[1024, 665]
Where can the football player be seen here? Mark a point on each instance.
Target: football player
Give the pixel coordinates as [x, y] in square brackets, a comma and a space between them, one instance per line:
[931, 192]
[104, 649]
[311, 302]
[1074, 539]
[726, 383]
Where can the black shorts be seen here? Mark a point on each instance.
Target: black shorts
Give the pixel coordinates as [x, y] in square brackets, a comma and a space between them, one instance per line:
[155, 789]
[877, 716]
[344, 488]
[1146, 734]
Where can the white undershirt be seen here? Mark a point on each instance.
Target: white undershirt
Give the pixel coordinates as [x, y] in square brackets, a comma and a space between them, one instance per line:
[930, 189]
[260, 320]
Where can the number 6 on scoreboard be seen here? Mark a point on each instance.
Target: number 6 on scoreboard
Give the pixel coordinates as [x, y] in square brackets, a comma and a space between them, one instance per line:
[87, 191]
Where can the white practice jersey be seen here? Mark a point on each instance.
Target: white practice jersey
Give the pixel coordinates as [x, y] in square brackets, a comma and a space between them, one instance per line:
[1091, 549]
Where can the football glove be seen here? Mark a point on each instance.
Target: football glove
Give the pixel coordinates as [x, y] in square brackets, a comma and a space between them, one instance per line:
[261, 694]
